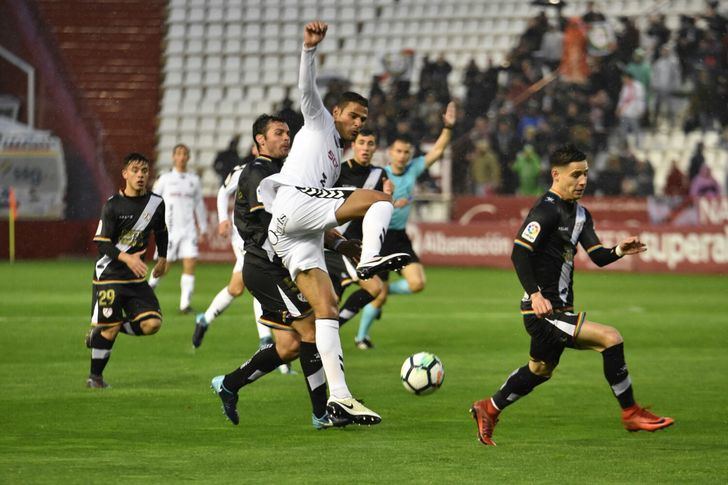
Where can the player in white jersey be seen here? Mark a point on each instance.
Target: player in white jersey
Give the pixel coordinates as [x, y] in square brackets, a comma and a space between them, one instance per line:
[182, 194]
[303, 205]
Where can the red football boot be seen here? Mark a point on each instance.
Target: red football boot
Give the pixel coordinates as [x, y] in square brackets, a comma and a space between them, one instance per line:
[485, 415]
[636, 418]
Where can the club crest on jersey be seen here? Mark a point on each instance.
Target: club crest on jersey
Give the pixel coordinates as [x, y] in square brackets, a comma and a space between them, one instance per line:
[531, 232]
[107, 312]
[333, 159]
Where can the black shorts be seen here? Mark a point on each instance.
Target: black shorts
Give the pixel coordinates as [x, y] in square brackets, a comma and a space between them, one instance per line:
[552, 334]
[341, 271]
[397, 241]
[115, 303]
[279, 297]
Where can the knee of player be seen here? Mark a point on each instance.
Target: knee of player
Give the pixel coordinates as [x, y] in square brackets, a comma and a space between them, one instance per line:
[288, 351]
[235, 290]
[541, 368]
[151, 326]
[417, 285]
[612, 337]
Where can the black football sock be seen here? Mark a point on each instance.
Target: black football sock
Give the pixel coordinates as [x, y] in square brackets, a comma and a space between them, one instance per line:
[615, 370]
[132, 328]
[356, 301]
[519, 383]
[313, 371]
[100, 353]
[262, 362]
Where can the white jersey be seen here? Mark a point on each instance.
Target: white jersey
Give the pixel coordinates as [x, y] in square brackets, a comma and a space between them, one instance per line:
[228, 188]
[315, 157]
[182, 194]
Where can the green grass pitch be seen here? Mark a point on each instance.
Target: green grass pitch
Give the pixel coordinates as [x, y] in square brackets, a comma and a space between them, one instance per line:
[160, 423]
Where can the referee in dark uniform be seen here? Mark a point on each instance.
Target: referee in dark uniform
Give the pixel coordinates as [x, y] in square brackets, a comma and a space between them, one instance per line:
[543, 256]
[123, 301]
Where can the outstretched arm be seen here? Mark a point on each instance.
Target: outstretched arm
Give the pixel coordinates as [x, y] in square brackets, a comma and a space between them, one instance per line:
[445, 136]
[312, 106]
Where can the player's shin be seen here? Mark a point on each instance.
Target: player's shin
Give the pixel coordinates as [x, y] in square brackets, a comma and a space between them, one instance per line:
[332, 357]
[100, 353]
[187, 287]
[521, 382]
[261, 363]
[374, 227]
[368, 315]
[400, 287]
[313, 371]
[615, 370]
[354, 304]
[218, 305]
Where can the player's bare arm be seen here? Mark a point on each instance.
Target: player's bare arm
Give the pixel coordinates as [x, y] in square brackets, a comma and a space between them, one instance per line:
[443, 140]
[160, 268]
[313, 33]
[135, 263]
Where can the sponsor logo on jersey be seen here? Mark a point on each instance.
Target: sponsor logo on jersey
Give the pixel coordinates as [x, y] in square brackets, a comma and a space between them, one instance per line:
[531, 232]
[334, 160]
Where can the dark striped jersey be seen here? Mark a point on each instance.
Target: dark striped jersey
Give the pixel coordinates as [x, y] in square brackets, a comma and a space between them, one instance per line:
[359, 176]
[250, 217]
[545, 246]
[125, 225]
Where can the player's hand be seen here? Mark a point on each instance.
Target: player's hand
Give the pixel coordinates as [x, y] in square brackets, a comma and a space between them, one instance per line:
[201, 237]
[135, 263]
[632, 245]
[224, 228]
[541, 306]
[314, 33]
[450, 114]
[400, 203]
[351, 248]
[388, 187]
[160, 269]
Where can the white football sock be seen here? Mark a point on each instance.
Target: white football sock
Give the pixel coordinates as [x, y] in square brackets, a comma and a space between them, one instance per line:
[263, 330]
[221, 301]
[332, 357]
[154, 281]
[374, 227]
[187, 285]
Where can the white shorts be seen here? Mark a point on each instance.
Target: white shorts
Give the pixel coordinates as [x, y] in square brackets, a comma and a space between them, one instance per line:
[300, 217]
[238, 244]
[182, 247]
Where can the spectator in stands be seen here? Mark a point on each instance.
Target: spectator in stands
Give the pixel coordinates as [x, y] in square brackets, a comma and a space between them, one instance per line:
[599, 108]
[665, 83]
[716, 22]
[631, 107]
[399, 64]
[702, 102]
[485, 171]
[226, 159]
[696, 161]
[658, 34]
[688, 37]
[552, 47]
[440, 71]
[641, 71]
[704, 184]
[628, 40]
[592, 14]
[574, 67]
[528, 169]
[677, 184]
[610, 179]
[506, 145]
[644, 179]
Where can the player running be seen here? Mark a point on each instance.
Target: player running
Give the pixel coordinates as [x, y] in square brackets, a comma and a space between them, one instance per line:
[182, 193]
[403, 171]
[122, 299]
[543, 256]
[303, 205]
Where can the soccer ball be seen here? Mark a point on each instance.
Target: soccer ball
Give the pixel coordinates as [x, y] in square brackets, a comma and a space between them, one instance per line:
[422, 373]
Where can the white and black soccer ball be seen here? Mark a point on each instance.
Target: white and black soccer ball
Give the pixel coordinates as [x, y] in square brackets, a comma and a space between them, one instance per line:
[422, 373]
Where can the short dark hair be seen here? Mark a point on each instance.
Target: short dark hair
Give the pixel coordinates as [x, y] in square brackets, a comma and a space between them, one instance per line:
[180, 145]
[260, 125]
[351, 97]
[566, 154]
[403, 138]
[368, 132]
[135, 157]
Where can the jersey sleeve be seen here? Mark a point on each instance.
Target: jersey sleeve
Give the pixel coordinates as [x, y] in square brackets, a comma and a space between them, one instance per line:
[158, 187]
[589, 240]
[228, 188]
[539, 223]
[418, 166]
[161, 238]
[312, 106]
[105, 231]
[200, 211]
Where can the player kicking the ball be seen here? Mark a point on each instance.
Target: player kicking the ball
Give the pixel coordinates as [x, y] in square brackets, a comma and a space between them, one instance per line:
[543, 255]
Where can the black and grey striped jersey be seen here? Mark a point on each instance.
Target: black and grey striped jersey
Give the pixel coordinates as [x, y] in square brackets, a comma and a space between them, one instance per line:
[250, 217]
[362, 177]
[125, 225]
[545, 246]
